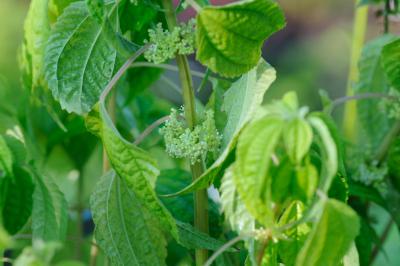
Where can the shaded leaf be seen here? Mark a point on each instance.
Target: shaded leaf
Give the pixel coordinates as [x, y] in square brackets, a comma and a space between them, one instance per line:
[125, 229]
[18, 204]
[297, 137]
[391, 63]
[49, 211]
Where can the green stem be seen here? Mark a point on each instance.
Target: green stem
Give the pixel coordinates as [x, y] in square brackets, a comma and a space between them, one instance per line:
[386, 22]
[359, 29]
[200, 197]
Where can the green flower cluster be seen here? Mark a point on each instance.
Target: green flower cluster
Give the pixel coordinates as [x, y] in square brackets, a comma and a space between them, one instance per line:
[181, 142]
[165, 45]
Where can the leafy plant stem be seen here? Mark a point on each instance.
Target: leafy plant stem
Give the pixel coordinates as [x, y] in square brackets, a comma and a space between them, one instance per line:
[200, 196]
[169, 67]
[359, 30]
[382, 240]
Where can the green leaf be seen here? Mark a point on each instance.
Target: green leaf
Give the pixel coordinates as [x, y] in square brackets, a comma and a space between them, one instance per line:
[125, 229]
[96, 9]
[49, 211]
[79, 60]
[229, 38]
[305, 183]
[241, 102]
[374, 121]
[6, 159]
[391, 63]
[331, 237]
[37, 30]
[296, 236]
[297, 137]
[18, 204]
[233, 207]
[253, 157]
[328, 151]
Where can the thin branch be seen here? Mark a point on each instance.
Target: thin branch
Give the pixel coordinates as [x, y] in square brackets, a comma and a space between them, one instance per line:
[194, 5]
[150, 129]
[171, 84]
[121, 71]
[224, 247]
[364, 96]
[382, 240]
[167, 67]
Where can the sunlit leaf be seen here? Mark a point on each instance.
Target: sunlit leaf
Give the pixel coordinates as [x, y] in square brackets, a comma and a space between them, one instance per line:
[229, 38]
[331, 237]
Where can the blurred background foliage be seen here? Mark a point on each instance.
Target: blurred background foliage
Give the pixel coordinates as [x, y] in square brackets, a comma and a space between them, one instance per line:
[310, 54]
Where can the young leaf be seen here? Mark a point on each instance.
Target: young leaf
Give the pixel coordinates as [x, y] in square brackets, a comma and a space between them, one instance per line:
[49, 211]
[331, 237]
[391, 63]
[297, 137]
[125, 229]
[229, 38]
[18, 203]
[233, 207]
[296, 236]
[241, 102]
[329, 153]
[79, 60]
[253, 157]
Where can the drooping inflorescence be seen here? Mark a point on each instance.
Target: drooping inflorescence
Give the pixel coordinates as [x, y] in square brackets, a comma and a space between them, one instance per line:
[165, 44]
[182, 142]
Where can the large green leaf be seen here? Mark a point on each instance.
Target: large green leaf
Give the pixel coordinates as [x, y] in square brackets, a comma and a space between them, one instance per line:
[229, 38]
[253, 158]
[18, 204]
[233, 207]
[49, 211]
[125, 229]
[374, 120]
[241, 102]
[79, 59]
[331, 237]
[391, 63]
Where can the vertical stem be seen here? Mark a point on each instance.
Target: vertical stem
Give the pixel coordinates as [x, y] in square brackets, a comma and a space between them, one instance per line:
[359, 30]
[200, 197]
[386, 22]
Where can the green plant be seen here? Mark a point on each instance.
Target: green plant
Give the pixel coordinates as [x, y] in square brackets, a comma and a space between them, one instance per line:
[291, 190]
